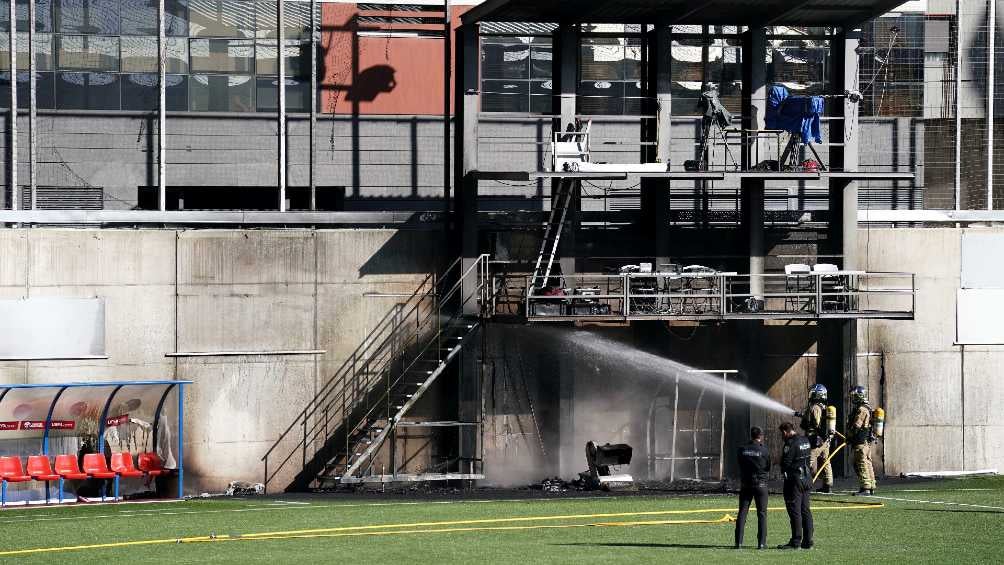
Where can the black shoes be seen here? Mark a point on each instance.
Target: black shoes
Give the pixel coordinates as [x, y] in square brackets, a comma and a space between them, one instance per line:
[788, 546]
[808, 546]
[825, 489]
[865, 492]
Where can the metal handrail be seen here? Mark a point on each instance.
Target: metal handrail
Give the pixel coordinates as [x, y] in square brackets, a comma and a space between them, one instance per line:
[375, 356]
[477, 294]
[719, 298]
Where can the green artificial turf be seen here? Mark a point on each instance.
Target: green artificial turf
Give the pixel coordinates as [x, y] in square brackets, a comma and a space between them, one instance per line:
[960, 522]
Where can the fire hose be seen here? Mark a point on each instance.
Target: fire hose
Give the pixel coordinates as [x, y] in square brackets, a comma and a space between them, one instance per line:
[832, 454]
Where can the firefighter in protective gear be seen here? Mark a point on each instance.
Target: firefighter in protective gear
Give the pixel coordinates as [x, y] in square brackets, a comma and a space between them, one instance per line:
[859, 436]
[816, 431]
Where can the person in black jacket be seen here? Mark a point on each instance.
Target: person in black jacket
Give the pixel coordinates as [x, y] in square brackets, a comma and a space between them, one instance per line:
[797, 486]
[754, 464]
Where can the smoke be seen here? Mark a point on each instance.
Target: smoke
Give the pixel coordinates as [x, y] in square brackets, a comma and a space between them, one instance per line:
[653, 365]
[587, 386]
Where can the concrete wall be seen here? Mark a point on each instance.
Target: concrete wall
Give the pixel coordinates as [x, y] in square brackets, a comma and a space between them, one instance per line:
[943, 400]
[219, 290]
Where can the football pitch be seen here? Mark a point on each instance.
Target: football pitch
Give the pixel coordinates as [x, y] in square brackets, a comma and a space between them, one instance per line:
[957, 521]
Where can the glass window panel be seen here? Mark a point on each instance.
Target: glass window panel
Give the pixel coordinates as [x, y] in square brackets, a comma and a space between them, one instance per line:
[139, 54]
[541, 104]
[501, 61]
[43, 90]
[505, 96]
[87, 16]
[296, 57]
[540, 60]
[221, 18]
[43, 15]
[632, 58]
[295, 17]
[601, 97]
[504, 103]
[633, 102]
[601, 59]
[88, 52]
[139, 17]
[542, 87]
[43, 51]
[221, 93]
[297, 95]
[139, 92]
[87, 91]
[222, 55]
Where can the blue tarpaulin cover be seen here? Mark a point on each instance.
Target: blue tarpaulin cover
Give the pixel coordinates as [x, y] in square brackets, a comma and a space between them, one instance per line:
[795, 114]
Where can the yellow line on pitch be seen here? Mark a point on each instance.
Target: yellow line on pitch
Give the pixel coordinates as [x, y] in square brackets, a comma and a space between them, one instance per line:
[384, 529]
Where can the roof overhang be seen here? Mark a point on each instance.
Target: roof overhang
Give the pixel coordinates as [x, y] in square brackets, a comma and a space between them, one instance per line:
[824, 13]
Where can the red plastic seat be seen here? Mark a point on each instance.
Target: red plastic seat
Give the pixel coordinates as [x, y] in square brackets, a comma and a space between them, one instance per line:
[11, 470]
[96, 466]
[123, 465]
[151, 464]
[40, 469]
[66, 467]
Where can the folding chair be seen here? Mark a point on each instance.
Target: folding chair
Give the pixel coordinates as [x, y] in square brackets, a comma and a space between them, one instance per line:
[830, 283]
[797, 279]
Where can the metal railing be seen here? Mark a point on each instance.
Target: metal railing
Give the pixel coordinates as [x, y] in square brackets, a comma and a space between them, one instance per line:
[354, 395]
[722, 295]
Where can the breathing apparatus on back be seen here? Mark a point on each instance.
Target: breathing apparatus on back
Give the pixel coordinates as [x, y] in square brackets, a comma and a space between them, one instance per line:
[878, 422]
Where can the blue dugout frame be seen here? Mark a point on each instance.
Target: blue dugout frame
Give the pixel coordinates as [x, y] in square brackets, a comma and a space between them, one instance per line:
[116, 386]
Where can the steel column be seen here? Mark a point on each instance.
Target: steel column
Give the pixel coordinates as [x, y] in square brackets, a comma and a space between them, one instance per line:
[161, 109]
[32, 113]
[844, 157]
[658, 86]
[12, 127]
[313, 103]
[754, 112]
[281, 117]
[447, 104]
[468, 101]
[991, 78]
[958, 104]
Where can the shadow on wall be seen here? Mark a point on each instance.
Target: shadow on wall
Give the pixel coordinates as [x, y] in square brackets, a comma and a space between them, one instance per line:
[405, 254]
[370, 83]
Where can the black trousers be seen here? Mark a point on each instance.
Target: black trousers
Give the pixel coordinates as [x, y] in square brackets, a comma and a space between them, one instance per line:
[796, 502]
[752, 494]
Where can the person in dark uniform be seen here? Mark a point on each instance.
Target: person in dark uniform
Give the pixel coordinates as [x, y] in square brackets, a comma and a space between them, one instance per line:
[797, 486]
[754, 464]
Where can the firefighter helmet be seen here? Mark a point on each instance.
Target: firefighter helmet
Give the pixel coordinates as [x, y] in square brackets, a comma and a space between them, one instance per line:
[859, 395]
[817, 393]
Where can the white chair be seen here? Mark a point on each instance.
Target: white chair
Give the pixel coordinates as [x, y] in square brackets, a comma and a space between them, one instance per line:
[798, 279]
[830, 283]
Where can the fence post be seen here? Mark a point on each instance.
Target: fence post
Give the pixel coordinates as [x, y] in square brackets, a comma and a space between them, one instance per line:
[819, 294]
[627, 294]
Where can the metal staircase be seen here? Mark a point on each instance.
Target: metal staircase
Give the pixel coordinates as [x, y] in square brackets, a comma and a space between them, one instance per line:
[337, 436]
[562, 201]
